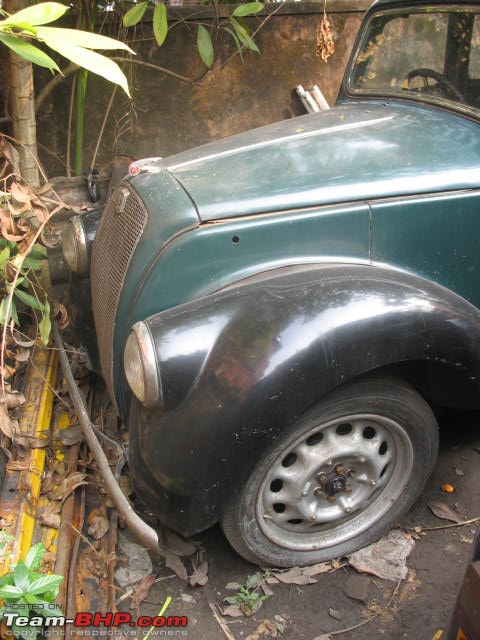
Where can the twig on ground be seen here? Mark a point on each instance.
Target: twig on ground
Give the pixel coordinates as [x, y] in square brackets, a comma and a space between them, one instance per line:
[221, 622]
[446, 526]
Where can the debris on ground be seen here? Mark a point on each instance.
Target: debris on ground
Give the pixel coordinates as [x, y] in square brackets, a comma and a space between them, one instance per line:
[448, 488]
[357, 587]
[386, 558]
[134, 563]
[266, 629]
[444, 511]
[299, 575]
[141, 591]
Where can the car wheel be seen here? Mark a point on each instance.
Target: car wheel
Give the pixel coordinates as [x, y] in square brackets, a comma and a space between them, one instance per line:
[343, 475]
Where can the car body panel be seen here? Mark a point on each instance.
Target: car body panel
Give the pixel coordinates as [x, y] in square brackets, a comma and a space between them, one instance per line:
[241, 249]
[356, 151]
[432, 236]
[234, 379]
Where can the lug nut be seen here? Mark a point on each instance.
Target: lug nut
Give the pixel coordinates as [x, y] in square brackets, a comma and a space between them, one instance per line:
[322, 478]
[373, 483]
[318, 492]
[339, 469]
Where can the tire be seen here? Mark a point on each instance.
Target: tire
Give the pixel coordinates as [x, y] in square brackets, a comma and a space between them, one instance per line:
[341, 477]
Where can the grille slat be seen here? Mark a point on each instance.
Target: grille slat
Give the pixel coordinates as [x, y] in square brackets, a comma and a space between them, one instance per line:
[116, 239]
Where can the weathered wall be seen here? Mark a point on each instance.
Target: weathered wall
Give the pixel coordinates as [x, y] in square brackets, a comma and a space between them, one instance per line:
[168, 114]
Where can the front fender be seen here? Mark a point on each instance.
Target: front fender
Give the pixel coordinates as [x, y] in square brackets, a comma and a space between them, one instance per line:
[239, 367]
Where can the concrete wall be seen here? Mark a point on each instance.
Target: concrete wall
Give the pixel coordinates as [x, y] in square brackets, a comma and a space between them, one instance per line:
[169, 114]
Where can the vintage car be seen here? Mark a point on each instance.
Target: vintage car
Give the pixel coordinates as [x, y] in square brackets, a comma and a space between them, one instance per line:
[280, 315]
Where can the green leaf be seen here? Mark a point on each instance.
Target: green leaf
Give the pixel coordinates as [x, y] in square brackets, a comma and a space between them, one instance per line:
[28, 51]
[205, 46]
[92, 61]
[28, 299]
[244, 35]
[237, 42]
[41, 13]
[12, 312]
[160, 23]
[45, 325]
[10, 591]
[31, 599]
[4, 257]
[79, 38]
[34, 556]
[248, 9]
[21, 576]
[135, 14]
[46, 612]
[45, 583]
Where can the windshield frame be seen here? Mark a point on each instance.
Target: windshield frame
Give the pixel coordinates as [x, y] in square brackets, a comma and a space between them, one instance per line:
[427, 99]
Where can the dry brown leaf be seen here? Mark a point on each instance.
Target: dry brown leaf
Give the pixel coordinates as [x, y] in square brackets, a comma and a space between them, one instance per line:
[141, 591]
[176, 544]
[199, 577]
[20, 193]
[98, 522]
[335, 614]
[266, 629]
[50, 516]
[442, 510]
[22, 355]
[174, 563]
[233, 610]
[297, 575]
[325, 39]
[8, 425]
[61, 313]
[12, 399]
[68, 486]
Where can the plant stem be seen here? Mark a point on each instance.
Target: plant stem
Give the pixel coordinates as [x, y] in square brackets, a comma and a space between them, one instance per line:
[80, 95]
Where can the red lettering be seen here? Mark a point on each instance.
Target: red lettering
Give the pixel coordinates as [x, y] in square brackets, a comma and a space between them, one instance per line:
[121, 618]
[144, 621]
[159, 621]
[106, 620]
[83, 619]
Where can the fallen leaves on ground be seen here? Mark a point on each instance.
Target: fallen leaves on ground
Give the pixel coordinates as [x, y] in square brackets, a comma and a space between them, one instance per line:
[98, 522]
[266, 629]
[67, 486]
[141, 591]
[444, 511]
[299, 575]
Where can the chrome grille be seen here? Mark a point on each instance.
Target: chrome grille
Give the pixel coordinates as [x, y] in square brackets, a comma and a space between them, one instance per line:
[119, 232]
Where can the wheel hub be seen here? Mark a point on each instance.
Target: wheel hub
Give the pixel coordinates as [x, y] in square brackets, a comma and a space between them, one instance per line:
[334, 482]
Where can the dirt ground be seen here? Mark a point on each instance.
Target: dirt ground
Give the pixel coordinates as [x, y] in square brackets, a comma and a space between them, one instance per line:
[421, 604]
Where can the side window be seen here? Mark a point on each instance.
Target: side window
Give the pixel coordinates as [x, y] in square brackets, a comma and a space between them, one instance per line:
[407, 42]
[474, 66]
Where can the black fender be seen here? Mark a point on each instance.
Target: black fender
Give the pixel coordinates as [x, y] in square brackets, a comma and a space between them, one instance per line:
[240, 366]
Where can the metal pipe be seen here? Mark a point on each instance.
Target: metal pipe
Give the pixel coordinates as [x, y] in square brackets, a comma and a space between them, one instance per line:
[141, 530]
[319, 98]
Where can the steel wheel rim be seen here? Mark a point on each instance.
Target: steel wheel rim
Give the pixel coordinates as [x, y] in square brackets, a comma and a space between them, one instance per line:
[294, 505]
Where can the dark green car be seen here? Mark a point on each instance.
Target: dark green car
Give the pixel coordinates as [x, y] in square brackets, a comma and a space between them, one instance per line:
[280, 314]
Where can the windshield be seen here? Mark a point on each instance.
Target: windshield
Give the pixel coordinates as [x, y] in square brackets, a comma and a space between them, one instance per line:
[429, 54]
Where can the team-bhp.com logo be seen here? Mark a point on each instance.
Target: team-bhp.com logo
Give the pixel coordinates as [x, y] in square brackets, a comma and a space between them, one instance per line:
[94, 624]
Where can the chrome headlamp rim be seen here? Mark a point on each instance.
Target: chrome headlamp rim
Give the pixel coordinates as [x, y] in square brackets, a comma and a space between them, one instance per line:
[151, 376]
[77, 230]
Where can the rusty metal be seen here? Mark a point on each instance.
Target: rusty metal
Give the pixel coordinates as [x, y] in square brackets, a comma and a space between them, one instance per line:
[20, 497]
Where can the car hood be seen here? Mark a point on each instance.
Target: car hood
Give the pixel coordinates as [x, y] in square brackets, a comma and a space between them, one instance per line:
[355, 151]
